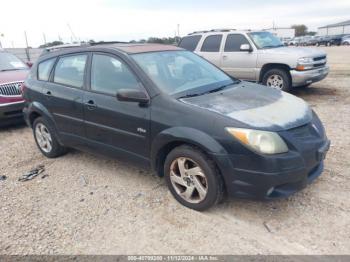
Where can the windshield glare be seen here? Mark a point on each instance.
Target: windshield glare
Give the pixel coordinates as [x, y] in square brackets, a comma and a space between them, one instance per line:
[265, 40]
[9, 62]
[181, 72]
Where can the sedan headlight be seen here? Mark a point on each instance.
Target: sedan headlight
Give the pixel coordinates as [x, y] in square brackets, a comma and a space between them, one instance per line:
[305, 63]
[264, 142]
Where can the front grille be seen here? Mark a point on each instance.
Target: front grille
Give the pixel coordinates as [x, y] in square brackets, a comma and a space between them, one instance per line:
[319, 58]
[11, 89]
[319, 61]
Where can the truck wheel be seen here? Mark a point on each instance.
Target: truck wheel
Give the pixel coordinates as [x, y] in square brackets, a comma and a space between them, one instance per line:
[45, 138]
[277, 78]
[193, 178]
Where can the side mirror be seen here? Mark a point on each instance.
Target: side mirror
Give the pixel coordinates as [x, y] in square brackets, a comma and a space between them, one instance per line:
[246, 48]
[29, 64]
[132, 95]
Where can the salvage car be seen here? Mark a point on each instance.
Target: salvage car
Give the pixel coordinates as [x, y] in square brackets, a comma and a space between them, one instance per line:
[169, 110]
[259, 56]
[13, 71]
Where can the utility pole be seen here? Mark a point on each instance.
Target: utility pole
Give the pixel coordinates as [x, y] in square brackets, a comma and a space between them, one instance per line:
[73, 36]
[178, 30]
[44, 36]
[1, 35]
[25, 37]
[27, 47]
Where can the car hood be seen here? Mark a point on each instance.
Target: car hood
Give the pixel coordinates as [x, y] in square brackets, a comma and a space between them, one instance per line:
[257, 106]
[297, 51]
[13, 76]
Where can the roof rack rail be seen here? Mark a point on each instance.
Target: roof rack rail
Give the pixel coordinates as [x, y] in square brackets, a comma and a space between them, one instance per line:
[198, 32]
[213, 30]
[59, 47]
[222, 30]
[108, 43]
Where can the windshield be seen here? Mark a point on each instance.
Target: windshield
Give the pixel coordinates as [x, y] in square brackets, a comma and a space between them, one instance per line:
[182, 72]
[9, 62]
[265, 40]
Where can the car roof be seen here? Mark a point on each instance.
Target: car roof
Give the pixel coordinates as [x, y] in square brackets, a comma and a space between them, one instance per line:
[125, 48]
[141, 48]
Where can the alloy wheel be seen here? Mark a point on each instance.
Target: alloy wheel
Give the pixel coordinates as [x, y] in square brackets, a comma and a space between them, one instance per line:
[43, 137]
[188, 180]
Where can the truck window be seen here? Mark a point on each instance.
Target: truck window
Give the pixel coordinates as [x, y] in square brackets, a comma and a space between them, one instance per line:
[190, 42]
[212, 43]
[234, 42]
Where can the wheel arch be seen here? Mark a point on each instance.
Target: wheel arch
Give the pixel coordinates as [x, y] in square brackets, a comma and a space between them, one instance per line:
[36, 110]
[177, 136]
[270, 66]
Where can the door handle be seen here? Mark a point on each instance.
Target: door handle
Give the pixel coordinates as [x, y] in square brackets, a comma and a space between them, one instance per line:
[48, 93]
[90, 105]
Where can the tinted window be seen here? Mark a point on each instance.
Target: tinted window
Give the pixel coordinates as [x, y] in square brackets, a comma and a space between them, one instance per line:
[109, 74]
[234, 42]
[212, 43]
[190, 42]
[44, 69]
[70, 70]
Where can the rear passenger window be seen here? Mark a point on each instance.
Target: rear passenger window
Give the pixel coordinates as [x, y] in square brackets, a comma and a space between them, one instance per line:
[70, 70]
[234, 42]
[109, 74]
[190, 42]
[44, 69]
[212, 43]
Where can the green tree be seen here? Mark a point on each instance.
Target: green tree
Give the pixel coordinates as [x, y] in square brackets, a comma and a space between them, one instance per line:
[300, 30]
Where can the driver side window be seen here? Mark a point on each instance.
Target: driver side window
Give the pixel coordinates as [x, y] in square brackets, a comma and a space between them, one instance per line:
[109, 74]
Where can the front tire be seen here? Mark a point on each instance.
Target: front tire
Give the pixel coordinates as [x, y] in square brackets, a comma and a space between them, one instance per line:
[277, 78]
[193, 178]
[46, 139]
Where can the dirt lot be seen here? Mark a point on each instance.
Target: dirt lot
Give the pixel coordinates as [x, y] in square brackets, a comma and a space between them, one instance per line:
[93, 205]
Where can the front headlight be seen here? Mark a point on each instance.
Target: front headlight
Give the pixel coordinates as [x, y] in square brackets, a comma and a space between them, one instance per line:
[305, 63]
[305, 60]
[264, 142]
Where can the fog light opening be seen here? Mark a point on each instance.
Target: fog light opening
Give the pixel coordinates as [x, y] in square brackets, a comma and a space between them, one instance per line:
[270, 191]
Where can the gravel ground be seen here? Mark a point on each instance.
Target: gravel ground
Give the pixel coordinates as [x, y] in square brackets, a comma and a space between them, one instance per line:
[92, 205]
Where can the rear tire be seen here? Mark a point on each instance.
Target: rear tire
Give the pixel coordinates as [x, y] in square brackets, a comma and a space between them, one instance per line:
[46, 139]
[277, 78]
[192, 178]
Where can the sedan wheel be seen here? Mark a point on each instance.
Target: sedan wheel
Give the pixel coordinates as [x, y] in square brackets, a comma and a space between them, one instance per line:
[43, 137]
[188, 180]
[275, 81]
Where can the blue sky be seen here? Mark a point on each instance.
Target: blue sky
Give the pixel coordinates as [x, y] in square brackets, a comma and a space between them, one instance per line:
[126, 20]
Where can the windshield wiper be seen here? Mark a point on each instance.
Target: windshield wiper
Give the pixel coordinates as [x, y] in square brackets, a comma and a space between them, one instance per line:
[13, 69]
[224, 86]
[190, 95]
[272, 46]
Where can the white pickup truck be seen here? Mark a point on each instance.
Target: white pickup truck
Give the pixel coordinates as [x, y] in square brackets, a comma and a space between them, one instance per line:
[259, 56]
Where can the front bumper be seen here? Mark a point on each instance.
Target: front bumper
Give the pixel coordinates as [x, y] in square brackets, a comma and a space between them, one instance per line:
[11, 113]
[285, 176]
[300, 78]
